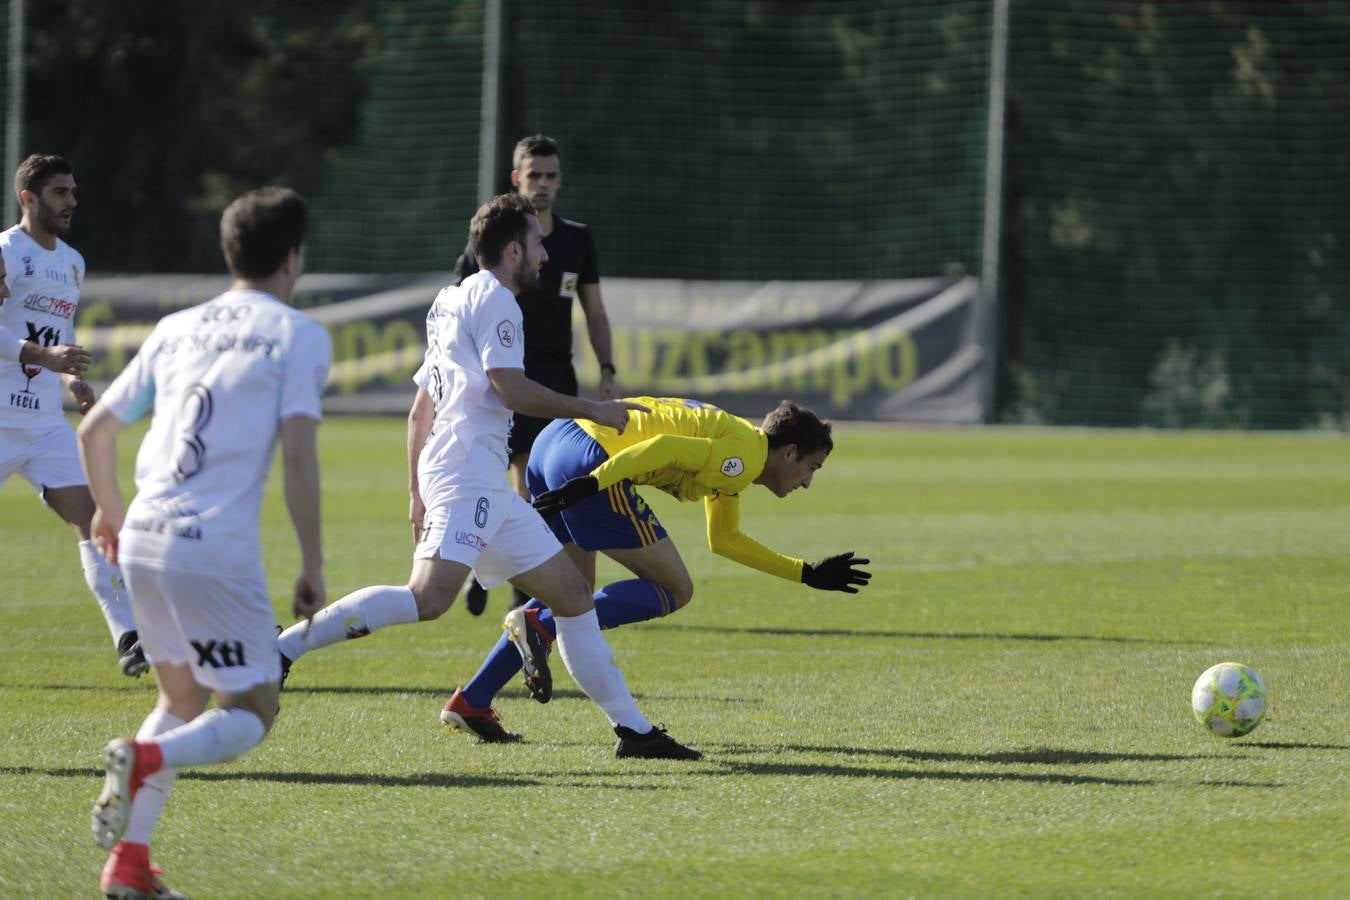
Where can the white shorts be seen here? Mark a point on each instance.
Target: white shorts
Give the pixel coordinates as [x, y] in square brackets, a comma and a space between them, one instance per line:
[223, 627]
[494, 532]
[47, 457]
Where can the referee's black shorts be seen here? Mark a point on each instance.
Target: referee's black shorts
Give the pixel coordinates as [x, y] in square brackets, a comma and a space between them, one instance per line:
[556, 374]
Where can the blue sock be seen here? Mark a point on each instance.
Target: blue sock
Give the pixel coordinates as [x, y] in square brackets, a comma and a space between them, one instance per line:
[623, 603]
[635, 600]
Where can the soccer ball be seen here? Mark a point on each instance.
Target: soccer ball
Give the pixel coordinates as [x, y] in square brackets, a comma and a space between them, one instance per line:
[1229, 699]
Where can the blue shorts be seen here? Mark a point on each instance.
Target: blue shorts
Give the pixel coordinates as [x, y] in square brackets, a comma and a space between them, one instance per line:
[614, 519]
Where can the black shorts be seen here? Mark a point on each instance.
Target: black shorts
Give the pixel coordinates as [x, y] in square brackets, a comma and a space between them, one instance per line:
[561, 377]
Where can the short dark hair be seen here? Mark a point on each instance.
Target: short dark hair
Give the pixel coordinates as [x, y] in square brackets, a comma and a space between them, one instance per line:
[498, 222]
[534, 145]
[789, 423]
[259, 228]
[35, 171]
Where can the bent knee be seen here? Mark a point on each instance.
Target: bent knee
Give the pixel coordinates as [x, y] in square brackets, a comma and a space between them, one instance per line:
[432, 603]
[263, 702]
[683, 592]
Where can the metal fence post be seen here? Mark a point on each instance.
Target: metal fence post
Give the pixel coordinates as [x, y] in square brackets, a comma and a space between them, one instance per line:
[14, 94]
[993, 209]
[489, 108]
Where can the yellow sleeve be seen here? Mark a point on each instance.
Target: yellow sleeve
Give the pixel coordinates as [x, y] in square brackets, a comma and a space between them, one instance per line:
[659, 452]
[725, 539]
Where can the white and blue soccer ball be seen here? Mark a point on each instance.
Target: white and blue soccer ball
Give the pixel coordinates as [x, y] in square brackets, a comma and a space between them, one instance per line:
[1229, 699]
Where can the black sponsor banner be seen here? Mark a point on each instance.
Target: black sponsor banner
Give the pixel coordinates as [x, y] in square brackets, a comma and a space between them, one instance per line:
[890, 350]
[902, 350]
[377, 323]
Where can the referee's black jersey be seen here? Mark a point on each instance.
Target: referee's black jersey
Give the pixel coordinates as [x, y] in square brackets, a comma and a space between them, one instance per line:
[547, 310]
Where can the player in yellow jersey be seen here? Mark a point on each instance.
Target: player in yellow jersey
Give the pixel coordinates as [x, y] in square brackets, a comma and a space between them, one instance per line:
[584, 480]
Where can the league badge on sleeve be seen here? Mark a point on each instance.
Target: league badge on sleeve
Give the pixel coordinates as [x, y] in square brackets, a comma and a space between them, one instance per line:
[506, 332]
[732, 466]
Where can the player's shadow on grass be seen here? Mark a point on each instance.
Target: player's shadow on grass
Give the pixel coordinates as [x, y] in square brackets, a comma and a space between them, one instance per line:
[1043, 756]
[515, 692]
[1037, 756]
[837, 771]
[358, 779]
[427, 779]
[1290, 745]
[122, 686]
[1034, 756]
[913, 635]
[442, 694]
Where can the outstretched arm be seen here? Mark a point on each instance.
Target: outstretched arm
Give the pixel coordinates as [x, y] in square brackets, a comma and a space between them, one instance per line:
[833, 573]
[522, 395]
[726, 539]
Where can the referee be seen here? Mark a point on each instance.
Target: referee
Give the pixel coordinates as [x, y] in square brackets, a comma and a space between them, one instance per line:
[571, 273]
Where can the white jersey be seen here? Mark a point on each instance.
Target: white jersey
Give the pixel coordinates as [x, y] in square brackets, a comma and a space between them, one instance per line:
[220, 378]
[471, 328]
[44, 290]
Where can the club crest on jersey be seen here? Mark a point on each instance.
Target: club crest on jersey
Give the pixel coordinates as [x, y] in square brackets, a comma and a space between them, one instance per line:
[732, 466]
[506, 333]
[28, 270]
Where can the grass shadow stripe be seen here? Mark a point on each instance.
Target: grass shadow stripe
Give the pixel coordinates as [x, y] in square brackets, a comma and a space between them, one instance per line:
[424, 779]
[810, 770]
[441, 693]
[1289, 745]
[915, 635]
[127, 687]
[1031, 756]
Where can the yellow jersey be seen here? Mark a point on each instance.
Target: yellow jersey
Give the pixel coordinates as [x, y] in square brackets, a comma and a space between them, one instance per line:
[694, 451]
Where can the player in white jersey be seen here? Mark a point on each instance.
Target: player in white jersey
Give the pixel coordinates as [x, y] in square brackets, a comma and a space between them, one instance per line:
[224, 380]
[37, 329]
[464, 513]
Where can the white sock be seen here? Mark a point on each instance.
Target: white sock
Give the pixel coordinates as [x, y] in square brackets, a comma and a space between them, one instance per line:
[355, 615]
[212, 737]
[105, 580]
[148, 803]
[590, 662]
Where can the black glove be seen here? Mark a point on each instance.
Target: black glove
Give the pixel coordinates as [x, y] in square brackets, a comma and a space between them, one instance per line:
[836, 573]
[570, 494]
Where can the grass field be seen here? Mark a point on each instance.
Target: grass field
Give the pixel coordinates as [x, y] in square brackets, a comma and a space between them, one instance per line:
[1003, 713]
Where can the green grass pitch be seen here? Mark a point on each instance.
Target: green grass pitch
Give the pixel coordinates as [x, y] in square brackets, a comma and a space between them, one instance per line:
[1005, 712]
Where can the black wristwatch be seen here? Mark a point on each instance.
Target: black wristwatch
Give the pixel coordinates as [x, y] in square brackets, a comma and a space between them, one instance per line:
[608, 367]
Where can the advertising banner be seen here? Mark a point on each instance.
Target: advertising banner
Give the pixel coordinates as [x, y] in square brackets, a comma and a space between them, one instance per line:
[901, 350]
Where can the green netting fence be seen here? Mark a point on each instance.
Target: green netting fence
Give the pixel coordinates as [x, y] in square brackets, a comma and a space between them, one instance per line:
[1175, 195]
[1177, 242]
